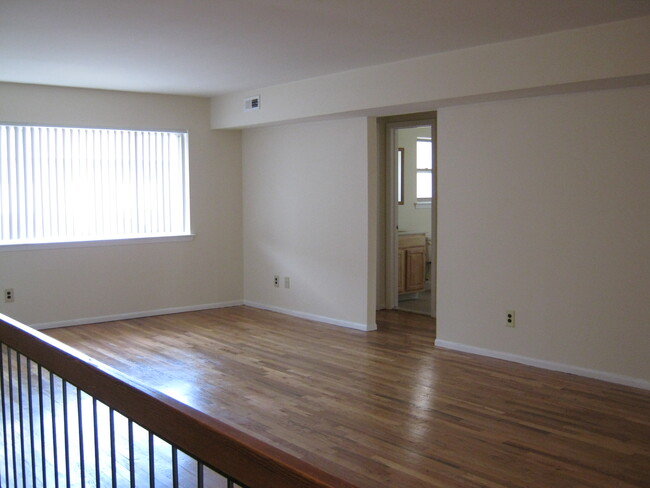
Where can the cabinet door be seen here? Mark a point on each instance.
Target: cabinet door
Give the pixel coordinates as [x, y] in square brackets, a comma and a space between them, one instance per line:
[401, 277]
[415, 269]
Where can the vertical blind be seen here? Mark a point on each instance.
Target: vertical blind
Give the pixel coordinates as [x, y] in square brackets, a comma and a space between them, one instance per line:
[61, 184]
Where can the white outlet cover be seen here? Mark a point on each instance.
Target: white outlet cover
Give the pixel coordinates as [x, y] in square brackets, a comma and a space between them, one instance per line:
[510, 318]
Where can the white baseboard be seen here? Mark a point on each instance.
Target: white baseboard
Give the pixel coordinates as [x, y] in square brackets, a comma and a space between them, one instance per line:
[553, 366]
[134, 315]
[316, 318]
[193, 308]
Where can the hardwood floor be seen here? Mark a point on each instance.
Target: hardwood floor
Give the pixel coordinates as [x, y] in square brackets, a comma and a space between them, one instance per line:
[385, 408]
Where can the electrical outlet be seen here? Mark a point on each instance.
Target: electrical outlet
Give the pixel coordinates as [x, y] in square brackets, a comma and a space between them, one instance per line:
[287, 282]
[510, 318]
[9, 295]
[276, 281]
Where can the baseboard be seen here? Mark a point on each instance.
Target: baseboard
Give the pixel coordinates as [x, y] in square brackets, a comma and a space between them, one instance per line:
[134, 315]
[316, 318]
[550, 365]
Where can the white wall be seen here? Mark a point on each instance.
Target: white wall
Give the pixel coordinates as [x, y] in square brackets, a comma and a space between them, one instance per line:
[71, 284]
[306, 216]
[544, 208]
[613, 54]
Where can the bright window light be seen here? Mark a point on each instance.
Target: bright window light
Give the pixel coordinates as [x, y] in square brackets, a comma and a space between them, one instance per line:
[60, 184]
[424, 182]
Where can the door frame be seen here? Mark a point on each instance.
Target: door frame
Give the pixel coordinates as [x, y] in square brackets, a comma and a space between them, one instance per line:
[392, 124]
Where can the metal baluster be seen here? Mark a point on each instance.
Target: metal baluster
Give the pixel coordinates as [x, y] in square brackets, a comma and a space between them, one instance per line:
[42, 423]
[66, 436]
[54, 436]
[131, 454]
[174, 467]
[19, 374]
[96, 434]
[82, 463]
[30, 405]
[11, 415]
[231, 483]
[4, 411]
[152, 467]
[199, 474]
[113, 460]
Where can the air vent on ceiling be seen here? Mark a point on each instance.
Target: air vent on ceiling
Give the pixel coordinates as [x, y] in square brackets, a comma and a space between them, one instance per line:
[252, 103]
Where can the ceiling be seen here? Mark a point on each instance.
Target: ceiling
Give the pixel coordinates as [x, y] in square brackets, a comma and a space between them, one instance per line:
[212, 47]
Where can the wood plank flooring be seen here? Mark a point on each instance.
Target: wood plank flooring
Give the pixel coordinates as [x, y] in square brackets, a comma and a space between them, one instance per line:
[385, 408]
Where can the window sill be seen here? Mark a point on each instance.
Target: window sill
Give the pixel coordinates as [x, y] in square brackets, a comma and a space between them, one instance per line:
[38, 246]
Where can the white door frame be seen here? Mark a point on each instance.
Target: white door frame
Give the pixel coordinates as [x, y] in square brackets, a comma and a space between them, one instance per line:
[392, 262]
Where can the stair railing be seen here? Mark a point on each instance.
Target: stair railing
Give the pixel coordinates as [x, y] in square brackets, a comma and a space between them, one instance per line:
[69, 420]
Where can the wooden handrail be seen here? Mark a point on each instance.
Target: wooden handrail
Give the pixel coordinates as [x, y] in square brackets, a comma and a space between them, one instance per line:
[235, 453]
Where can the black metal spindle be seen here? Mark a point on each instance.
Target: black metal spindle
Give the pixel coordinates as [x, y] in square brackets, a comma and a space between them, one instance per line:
[55, 447]
[42, 424]
[82, 462]
[199, 474]
[66, 436]
[96, 438]
[21, 423]
[30, 406]
[4, 411]
[231, 483]
[131, 455]
[174, 467]
[152, 463]
[113, 457]
[11, 416]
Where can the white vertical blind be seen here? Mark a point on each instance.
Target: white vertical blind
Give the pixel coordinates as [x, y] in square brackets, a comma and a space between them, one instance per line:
[73, 184]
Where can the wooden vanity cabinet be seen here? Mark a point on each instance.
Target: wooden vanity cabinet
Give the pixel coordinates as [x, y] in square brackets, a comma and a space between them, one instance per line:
[412, 263]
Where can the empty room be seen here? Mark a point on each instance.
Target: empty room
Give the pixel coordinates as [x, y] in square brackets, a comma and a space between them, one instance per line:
[280, 243]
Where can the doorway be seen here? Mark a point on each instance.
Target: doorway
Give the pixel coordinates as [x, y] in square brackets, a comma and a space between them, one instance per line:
[411, 216]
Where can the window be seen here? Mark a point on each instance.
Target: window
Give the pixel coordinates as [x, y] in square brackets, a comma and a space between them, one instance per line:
[62, 184]
[400, 176]
[424, 165]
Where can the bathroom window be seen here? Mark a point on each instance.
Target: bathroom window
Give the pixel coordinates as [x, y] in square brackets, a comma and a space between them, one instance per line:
[424, 168]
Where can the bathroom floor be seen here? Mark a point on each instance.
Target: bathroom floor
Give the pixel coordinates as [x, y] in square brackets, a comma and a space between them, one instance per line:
[421, 304]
